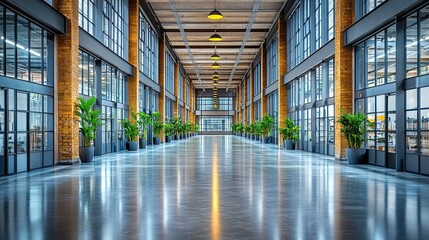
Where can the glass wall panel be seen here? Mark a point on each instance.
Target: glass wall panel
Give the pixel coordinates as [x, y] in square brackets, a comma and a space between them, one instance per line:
[113, 26]
[86, 15]
[148, 50]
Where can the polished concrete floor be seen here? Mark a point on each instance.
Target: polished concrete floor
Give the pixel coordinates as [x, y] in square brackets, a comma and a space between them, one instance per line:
[214, 187]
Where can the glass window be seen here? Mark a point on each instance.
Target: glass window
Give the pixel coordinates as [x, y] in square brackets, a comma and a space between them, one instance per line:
[331, 19]
[180, 85]
[10, 44]
[424, 41]
[412, 45]
[148, 50]
[367, 6]
[169, 73]
[36, 53]
[331, 78]
[23, 48]
[375, 59]
[87, 74]
[257, 79]
[86, 15]
[113, 26]
[319, 83]
[272, 70]
[113, 84]
[188, 93]
[307, 87]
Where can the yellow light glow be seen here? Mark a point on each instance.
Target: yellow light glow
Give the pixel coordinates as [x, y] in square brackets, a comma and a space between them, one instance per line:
[215, 37]
[215, 78]
[215, 57]
[215, 15]
[215, 65]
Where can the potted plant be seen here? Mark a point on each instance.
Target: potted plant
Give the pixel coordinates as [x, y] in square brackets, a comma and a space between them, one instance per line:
[89, 120]
[131, 131]
[175, 124]
[188, 128]
[143, 122]
[289, 133]
[353, 126]
[257, 130]
[168, 130]
[267, 123]
[240, 128]
[157, 127]
[247, 130]
[197, 128]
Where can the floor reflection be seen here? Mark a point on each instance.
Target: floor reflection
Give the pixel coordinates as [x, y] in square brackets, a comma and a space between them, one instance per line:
[214, 187]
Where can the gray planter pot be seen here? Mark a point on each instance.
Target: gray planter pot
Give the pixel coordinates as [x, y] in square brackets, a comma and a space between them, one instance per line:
[86, 154]
[356, 155]
[265, 139]
[176, 137]
[289, 144]
[133, 145]
[156, 140]
[142, 143]
[168, 139]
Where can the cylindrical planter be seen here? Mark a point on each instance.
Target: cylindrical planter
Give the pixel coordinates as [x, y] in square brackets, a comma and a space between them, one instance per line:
[86, 154]
[168, 139]
[133, 145]
[289, 144]
[356, 155]
[156, 140]
[142, 143]
[265, 139]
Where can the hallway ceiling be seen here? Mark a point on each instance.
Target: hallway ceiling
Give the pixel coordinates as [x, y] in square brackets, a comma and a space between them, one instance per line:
[198, 28]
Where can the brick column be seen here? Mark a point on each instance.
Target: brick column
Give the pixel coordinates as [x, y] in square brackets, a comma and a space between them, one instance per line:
[264, 109]
[68, 84]
[344, 17]
[176, 90]
[161, 80]
[184, 97]
[133, 56]
[251, 109]
[282, 62]
[244, 101]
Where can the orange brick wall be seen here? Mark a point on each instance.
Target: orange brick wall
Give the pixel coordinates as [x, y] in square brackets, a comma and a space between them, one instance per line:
[67, 147]
[344, 10]
[282, 60]
[133, 56]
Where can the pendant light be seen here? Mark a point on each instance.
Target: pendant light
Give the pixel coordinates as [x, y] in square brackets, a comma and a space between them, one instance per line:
[215, 78]
[215, 37]
[215, 14]
[215, 65]
[215, 56]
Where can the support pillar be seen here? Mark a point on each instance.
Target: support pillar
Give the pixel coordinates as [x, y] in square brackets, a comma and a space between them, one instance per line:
[176, 91]
[161, 80]
[133, 56]
[344, 17]
[264, 107]
[251, 108]
[282, 63]
[67, 147]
